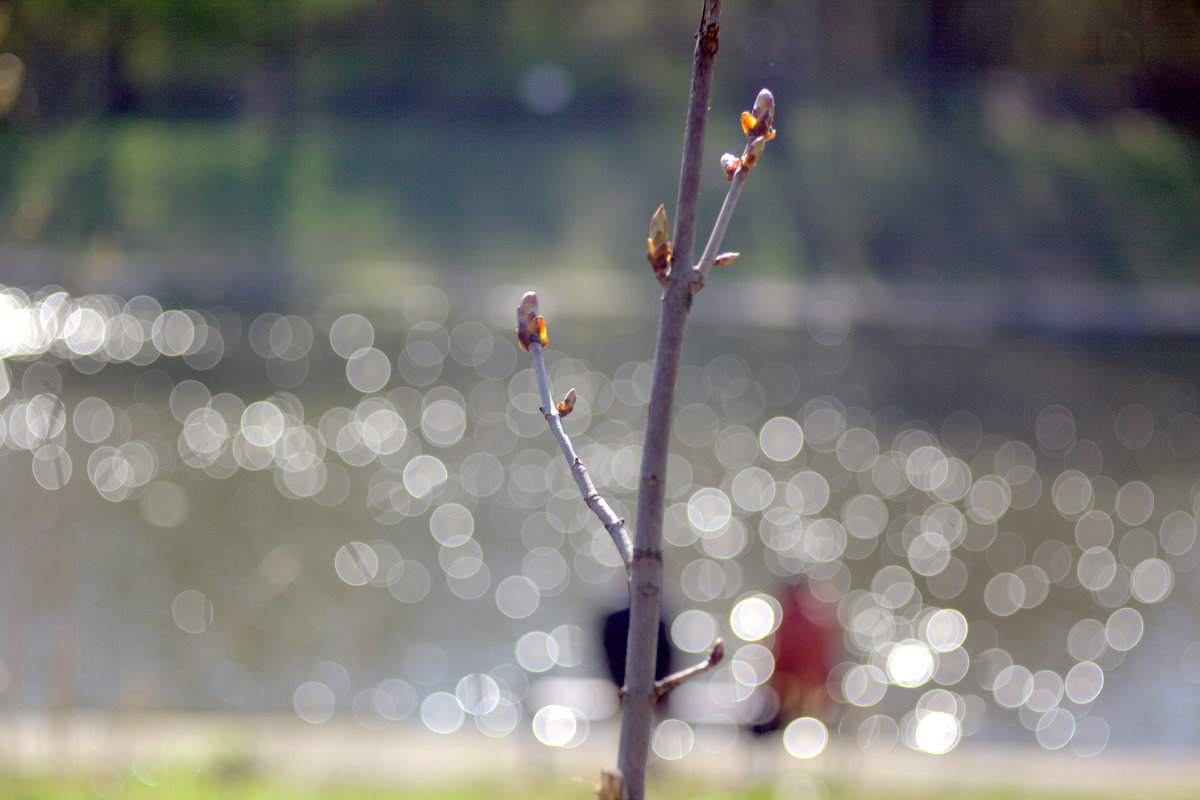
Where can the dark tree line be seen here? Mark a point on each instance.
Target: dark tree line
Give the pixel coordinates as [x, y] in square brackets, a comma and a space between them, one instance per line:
[221, 58]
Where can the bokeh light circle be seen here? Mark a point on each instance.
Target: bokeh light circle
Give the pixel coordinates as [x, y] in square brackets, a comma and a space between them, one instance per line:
[805, 737]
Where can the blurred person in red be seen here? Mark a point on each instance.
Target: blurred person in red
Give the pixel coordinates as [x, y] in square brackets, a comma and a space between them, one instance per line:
[803, 649]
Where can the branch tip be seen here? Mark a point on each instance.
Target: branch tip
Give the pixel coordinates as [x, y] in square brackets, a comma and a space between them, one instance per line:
[669, 683]
[530, 326]
[531, 334]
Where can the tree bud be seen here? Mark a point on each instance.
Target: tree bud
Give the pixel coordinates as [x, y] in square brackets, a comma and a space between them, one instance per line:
[764, 107]
[730, 164]
[658, 246]
[530, 327]
[754, 150]
[568, 403]
[759, 121]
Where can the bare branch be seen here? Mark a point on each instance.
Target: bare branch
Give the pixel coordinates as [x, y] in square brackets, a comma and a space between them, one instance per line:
[645, 573]
[681, 279]
[599, 506]
[688, 201]
[705, 264]
[759, 129]
[667, 684]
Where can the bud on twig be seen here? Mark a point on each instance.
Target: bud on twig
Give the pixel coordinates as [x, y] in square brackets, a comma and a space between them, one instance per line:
[754, 151]
[530, 327]
[658, 246]
[758, 121]
[731, 164]
[568, 403]
[757, 125]
[764, 107]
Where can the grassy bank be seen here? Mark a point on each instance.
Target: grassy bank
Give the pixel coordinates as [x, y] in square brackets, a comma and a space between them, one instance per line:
[184, 785]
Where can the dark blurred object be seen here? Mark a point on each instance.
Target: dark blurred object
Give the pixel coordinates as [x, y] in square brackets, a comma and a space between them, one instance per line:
[1172, 93]
[615, 632]
[802, 648]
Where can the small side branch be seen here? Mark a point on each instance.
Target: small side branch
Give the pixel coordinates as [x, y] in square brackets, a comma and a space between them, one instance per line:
[709, 256]
[614, 524]
[667, 684]
[758, 125]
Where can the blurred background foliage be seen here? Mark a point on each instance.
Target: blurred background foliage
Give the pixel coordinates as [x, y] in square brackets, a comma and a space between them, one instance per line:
[253, 153]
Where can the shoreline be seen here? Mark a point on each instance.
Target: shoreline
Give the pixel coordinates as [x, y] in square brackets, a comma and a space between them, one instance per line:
[342, 751]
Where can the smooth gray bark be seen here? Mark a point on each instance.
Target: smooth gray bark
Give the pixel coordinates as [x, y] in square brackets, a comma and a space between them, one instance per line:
[645, 574]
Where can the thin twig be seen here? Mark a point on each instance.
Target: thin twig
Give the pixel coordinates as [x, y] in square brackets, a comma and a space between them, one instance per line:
[705, 264]
[599, 506]
[688, 200]
[715, 654]
[674, 269]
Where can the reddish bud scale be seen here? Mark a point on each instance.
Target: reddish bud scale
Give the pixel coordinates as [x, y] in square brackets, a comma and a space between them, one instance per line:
[658, 246]
[530, 327]
[754, 150]
[759, 121]
[730, 164]
[764, 106]
[567, 405]
[658, 226]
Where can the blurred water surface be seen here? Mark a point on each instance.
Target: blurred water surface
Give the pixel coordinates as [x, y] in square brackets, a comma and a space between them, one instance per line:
[335, 511]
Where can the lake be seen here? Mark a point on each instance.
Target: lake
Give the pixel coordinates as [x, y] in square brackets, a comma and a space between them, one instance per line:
[337, 511]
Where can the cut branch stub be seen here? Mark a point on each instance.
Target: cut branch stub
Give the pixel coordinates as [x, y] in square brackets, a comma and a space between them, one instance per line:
[658, 246]
[611, 787]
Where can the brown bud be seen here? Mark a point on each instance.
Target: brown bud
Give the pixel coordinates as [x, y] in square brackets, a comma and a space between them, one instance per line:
[568, 404]
[658, 246]
[528, 321]
[725, 258]
[754, 149]
[658, 226]
[759, 121]
[764, 106]
[730, 164]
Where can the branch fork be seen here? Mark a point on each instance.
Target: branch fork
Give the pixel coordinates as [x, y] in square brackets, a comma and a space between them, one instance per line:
[666, 685]
[681, 278]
